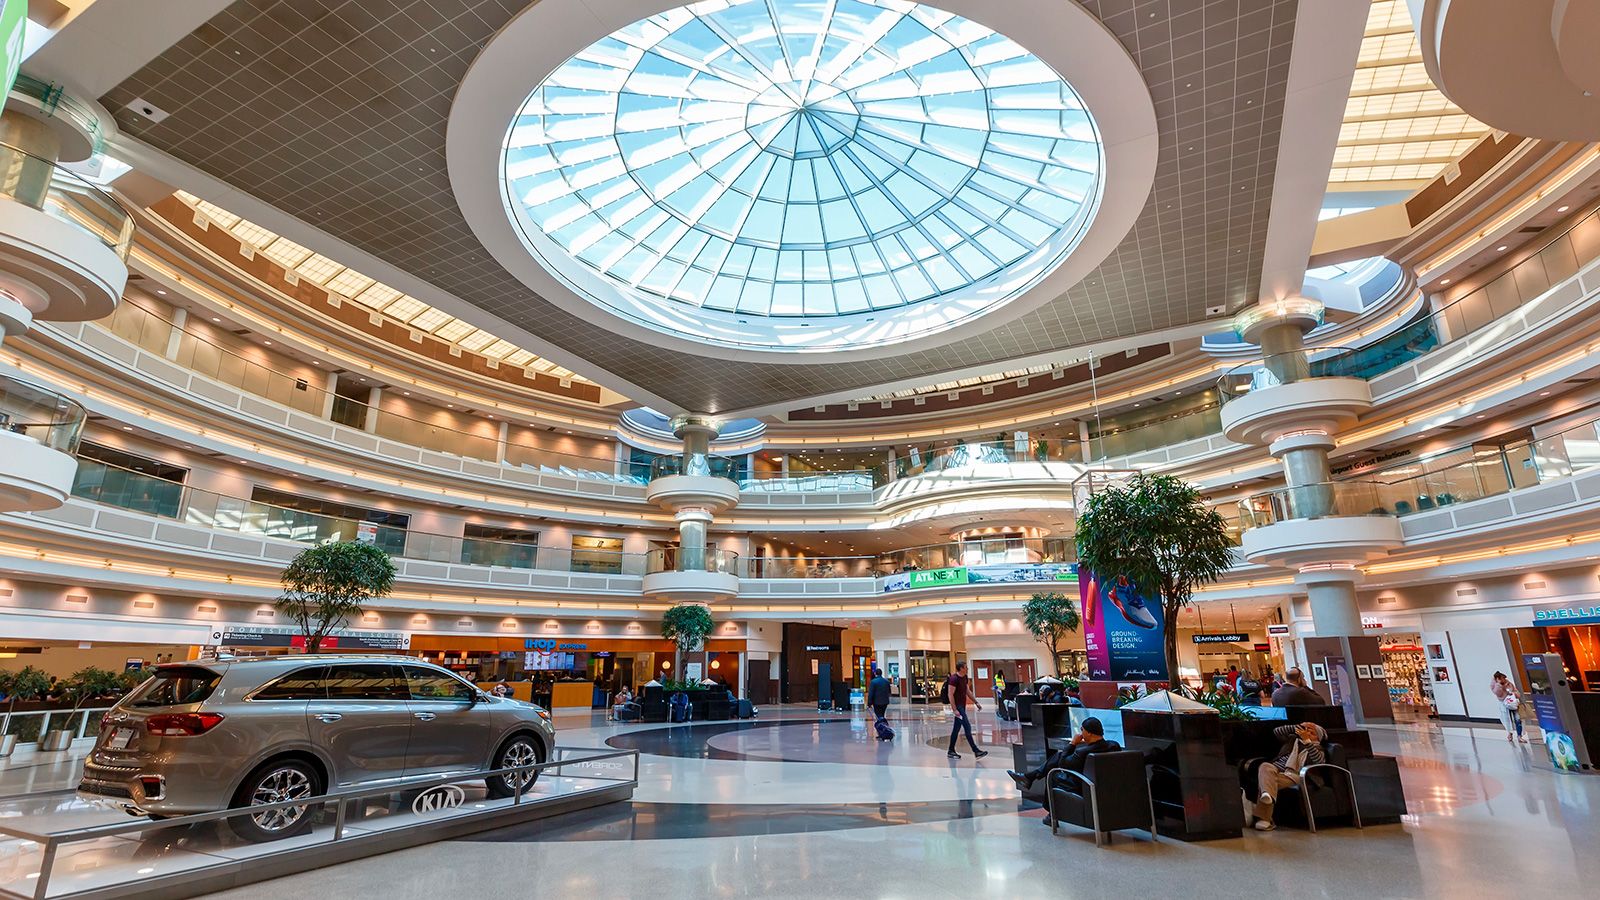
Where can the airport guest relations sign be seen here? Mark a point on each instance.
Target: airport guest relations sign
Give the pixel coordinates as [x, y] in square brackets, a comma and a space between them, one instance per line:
[999, 573]
[1567, 614]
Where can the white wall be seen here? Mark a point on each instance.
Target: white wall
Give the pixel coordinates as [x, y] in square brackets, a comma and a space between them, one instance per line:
[1477, 649]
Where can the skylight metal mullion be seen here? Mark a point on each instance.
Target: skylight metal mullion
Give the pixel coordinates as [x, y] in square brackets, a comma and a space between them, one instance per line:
[951, 197]
[738, 48]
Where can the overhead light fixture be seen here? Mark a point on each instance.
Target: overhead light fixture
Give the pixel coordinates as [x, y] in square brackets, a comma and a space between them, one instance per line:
[268, 343]
[1445, 281]
[161, 292]
[1501, 248]
[215, 319]
[1562, 208]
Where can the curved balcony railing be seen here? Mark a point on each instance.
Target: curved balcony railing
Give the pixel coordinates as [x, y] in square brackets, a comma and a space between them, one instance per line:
[62, 194]
[701, 464]
[1288, 368]
[701, 559]
[52, 419]
[1322, 500]
[1473, 473]
[140, 492]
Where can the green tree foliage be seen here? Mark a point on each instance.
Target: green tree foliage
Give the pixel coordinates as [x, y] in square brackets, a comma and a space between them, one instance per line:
[326, 585]
[1155, 531]
[1049, 618]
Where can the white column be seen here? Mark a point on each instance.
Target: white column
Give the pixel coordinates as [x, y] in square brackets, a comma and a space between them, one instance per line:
[329, 384]
[501, 440]
[180, 317]
[744, 672]
[374, 402]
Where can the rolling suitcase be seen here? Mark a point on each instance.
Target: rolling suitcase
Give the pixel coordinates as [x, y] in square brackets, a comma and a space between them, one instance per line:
[881, 726]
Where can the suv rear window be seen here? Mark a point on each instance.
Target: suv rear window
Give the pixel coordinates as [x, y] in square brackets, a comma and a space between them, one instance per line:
[175, 686]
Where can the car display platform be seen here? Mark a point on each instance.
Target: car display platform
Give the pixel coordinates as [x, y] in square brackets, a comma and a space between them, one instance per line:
[57, 844]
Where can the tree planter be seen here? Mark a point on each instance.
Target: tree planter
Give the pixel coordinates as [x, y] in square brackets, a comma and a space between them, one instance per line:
[56, 739]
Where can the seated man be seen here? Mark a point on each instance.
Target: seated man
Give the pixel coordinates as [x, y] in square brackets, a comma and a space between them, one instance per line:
[1090, 739]
[1293, 692]
[1302, 746]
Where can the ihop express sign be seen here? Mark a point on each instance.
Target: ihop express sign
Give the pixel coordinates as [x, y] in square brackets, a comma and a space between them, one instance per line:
[549, 645]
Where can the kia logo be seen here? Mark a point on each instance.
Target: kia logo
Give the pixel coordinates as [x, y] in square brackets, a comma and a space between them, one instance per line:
[445, 796]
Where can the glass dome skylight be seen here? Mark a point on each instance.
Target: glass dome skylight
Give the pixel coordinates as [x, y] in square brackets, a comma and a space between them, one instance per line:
[803, 159]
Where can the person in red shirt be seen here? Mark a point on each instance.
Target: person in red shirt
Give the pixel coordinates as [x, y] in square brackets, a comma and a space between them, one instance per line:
[958, 690]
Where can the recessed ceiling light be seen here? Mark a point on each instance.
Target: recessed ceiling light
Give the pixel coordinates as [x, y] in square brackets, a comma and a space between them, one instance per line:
[215, 319]
[268, 343]
[1544, 393]
[1562, 208]
[127, 428]
[1501, 248]
[1444, 281]
[161, 292]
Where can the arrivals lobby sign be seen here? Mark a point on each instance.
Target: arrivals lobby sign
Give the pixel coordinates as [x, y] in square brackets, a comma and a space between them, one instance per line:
[1121, 631]
[1003, 573]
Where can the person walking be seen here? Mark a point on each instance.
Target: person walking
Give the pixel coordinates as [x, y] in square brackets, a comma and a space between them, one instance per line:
[1505, 693]
[878, 693]
[959, 691]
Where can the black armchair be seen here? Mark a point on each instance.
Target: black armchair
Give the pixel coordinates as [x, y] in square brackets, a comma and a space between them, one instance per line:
[1111, 794]
[1326, 789]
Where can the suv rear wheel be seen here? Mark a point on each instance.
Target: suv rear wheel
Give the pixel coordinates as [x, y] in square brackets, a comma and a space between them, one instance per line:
[285, 779]
[519, 750]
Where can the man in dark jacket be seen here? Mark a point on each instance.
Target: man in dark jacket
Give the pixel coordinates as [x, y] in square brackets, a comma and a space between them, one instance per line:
[1293, 692]
[1090, 739]
[1302, 746]
[878, 693]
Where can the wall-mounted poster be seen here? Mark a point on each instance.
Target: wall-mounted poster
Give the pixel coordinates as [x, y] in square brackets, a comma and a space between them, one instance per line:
[1363, 671]
[1319, 672]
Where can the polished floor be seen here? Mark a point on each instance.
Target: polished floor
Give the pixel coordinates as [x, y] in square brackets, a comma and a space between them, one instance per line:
[797, 805]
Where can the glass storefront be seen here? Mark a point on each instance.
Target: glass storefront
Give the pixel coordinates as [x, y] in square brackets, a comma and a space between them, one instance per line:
[929, 669]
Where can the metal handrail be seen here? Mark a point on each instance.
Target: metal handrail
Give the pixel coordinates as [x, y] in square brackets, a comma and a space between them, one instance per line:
[1318, 500]
[1284, 368]
[1305, 794]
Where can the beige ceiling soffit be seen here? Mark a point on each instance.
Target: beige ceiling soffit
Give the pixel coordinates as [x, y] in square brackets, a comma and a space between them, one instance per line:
[781, 409]
[109, 40]
[1327, 40]
[1359, 235]
[145, 158]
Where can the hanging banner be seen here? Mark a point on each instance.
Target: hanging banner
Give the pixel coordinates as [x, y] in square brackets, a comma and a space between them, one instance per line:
[1121, 631]
[1001, 573]
[13, 26]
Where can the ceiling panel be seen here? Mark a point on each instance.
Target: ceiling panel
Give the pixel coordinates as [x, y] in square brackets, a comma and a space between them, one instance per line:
[335, 112]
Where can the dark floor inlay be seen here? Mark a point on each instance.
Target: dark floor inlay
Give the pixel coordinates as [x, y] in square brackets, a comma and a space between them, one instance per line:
[639, 821]
[690, 741]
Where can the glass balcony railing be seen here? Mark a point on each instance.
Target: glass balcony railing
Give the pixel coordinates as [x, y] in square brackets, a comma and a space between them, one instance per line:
[1480, 472]
[701, 464]
[1322, 500]
[700, 559]
[43, 415]
[139, 492]
[65, 195]
[1288, 368]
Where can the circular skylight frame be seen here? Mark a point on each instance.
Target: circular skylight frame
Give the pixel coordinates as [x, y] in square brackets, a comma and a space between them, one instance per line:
[862, 163]
[1068, 39]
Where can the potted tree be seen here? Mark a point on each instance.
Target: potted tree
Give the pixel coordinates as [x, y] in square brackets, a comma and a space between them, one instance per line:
[324, 586]
[24, 684]
[687, 626]
[1155, 531]
[82, 686]
[1050, 617]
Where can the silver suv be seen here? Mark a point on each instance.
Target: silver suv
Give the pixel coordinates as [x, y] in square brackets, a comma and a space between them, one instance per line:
[220, 734]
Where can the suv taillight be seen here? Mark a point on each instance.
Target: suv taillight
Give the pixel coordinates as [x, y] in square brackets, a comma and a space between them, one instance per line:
[182, 724]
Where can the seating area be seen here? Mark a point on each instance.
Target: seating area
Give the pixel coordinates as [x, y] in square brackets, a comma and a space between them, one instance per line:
[1184, 775]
